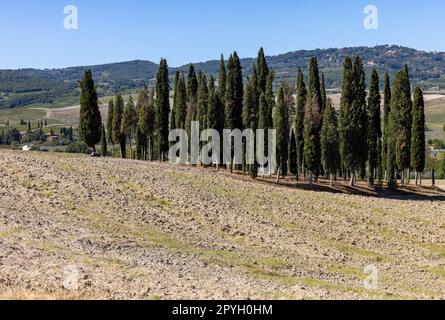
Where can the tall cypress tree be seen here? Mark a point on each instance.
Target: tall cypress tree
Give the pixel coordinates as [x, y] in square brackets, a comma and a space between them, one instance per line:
[270, 101]
[292, 162]
[129, 123]
[238, 90]
[181, 103]
[247, 104]
[175, 102]
[145, 125]
[418, 135]
[162, 109]
[313, 122]
[330, 153]
[281, 125]
[408, 121]
[386, 112]
[222, 79]
[351, 129]
[262, 71]
[110, 123]
[312, 144]
[401, 118]
[250, 114]
[202, 101]
[103, 142]
[215, 116]
[192, 83]
[90, 121]
[192, 97]
[118, 113]
[362, 117]
[230, 100]
[374, 127]
[299, 119]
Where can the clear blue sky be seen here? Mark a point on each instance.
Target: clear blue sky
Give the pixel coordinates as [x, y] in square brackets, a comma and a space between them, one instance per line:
[182, 31]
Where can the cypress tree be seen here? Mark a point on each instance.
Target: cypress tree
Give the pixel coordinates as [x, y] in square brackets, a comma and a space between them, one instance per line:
[262, 71]
[90, 121]
[293, 163]
[351, 120]
[192, 96]
[175, 102]
[386, 112]
[374, 127]
[162, 109]
[266, 114]
[103, 142]
[250, 111]
[247, 105]
[222, 80]
[418, 135]
[146, 120]
[313, 122]
[118, 136]
[181, 102]
[312, 145]
[230, 108]
[129, 123]
[202, 101]
[330, 152]
[110, 123]
[401, 118]
[408, 121]
[270, 101]
[281, 125]
[246, 115]
[362, 117]
[238, 90]
[263, 112]
[215, 116]
[299, 119]
[192, 83]
[251, 101]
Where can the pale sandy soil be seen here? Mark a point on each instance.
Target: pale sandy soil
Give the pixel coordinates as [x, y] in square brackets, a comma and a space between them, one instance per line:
[149, 230]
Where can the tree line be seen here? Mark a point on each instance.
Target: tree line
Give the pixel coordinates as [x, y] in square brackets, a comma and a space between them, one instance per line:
[313, 138]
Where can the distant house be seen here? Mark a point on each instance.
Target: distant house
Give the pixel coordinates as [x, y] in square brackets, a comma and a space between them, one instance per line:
[27, 147]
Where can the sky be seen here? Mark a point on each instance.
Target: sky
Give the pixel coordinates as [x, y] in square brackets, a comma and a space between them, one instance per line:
[182, 31]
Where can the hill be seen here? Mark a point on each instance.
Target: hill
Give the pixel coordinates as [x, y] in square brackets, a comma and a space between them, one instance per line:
[60, 87]
[137, 230]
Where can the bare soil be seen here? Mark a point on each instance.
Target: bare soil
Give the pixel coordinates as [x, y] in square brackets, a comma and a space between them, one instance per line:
[139, 230]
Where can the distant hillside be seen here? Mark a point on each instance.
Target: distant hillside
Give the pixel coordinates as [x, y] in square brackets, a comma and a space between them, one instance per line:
[31, 86]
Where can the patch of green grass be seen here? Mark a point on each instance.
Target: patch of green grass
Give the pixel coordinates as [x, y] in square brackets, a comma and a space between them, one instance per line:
[438, 271]
[347, 271]
[8, 232]
[347, 248]
[435, 249]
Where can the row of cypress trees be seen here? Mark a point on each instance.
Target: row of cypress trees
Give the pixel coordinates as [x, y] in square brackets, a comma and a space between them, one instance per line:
[313, 139]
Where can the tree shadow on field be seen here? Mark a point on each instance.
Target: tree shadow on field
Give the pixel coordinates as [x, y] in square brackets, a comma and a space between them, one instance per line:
[407, 192]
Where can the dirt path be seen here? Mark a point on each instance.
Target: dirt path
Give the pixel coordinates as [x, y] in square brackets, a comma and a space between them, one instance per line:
[148, 230]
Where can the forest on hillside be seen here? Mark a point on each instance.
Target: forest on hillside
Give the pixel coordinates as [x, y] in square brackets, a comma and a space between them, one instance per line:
[51, 86]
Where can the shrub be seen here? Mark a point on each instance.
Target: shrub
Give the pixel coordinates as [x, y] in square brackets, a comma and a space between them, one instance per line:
[77, 147]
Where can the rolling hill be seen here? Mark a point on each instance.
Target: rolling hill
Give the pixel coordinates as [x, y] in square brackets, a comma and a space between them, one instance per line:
[59, 86]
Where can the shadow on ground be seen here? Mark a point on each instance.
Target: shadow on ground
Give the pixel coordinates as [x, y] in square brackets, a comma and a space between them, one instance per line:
[407, 192]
